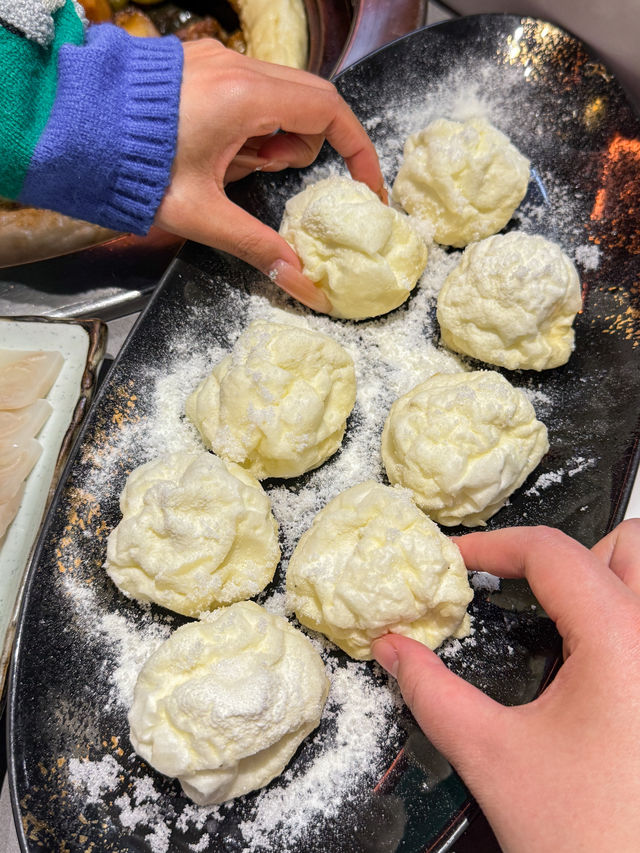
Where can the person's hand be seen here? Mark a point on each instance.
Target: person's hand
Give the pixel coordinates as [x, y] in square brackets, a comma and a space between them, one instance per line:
[230, 109]
[561, 773]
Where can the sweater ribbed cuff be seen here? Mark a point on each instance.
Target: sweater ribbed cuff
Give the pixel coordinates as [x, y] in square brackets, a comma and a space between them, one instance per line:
[106, 152]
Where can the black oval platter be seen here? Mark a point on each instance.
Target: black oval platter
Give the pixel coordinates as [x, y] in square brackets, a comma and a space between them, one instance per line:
[76, 783]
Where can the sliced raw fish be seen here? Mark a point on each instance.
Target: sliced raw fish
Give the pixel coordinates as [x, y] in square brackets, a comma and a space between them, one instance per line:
[8, 510]
[20, 424]
[10, 356]
[16, 461]
[26, 378]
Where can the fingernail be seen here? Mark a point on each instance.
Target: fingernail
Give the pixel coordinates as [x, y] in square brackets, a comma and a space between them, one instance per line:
[299, 286]
[273, 166]
[386, 655]
[383, 195]
[249, 160]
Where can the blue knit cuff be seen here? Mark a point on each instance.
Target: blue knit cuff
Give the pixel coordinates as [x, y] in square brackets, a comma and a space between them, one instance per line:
[106, 152]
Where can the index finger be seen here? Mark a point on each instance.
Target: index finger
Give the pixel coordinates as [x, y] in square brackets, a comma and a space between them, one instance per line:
[570, 582]
[620, 550]
[309, 111]
[350, 139]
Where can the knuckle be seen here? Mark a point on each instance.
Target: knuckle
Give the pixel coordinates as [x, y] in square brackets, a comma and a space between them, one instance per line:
[335, 99]
[241, 83]
[248, 247]
[204, 49]
[307, 152]
[543, 535]
[327, 85]
[630, 527]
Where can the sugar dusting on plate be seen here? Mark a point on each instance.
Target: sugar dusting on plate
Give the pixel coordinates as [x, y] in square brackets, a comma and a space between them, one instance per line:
[359, 723]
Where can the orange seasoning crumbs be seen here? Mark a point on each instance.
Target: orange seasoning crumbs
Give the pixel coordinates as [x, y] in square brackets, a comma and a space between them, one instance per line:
[616, 210]
[84, 514]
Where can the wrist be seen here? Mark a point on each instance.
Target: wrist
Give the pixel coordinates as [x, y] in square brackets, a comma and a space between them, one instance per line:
[106, 152]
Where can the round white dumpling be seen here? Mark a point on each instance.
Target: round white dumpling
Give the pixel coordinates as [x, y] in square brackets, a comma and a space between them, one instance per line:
[278, 404]
[224, 703]
[462, 442]
[511, 301]
[372, 563]
[365, 256]
[465, 179]
[196, 532]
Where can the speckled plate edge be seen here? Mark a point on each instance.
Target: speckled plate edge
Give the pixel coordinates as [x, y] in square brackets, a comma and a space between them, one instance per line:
[96, 332]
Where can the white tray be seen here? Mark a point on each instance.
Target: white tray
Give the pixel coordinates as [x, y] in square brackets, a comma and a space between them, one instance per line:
[82, 346]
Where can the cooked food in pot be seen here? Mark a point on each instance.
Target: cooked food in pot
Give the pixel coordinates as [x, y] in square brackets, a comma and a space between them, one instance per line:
[273, 30]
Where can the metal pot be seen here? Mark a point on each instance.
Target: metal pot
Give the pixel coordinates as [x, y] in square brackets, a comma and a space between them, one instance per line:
[343, 31]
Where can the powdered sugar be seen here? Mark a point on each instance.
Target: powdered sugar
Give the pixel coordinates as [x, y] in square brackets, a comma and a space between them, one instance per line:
[484, 581]
[354, 711]
[94, 778]
[132, 642]
[550, 478]
[359, 730]
[359, 725]
[588, 256]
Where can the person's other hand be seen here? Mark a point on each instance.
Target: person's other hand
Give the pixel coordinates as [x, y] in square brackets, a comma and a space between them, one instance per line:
[230, 109]
[561, 773]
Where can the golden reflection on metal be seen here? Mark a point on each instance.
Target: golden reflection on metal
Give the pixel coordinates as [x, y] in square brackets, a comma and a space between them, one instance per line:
[536, 44]
[597, 69]
[595, 112]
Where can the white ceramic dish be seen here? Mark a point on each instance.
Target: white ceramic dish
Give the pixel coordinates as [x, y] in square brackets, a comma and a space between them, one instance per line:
[81, 345]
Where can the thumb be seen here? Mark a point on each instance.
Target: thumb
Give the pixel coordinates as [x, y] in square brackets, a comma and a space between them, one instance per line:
[228, 227]
[247, 238]
[458, 719]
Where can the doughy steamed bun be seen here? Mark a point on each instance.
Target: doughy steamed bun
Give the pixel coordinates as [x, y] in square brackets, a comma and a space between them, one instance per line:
[224, 703]
[278, 404]
[196, 532]
[371, 563]
[365, 256]
[463, 178]
[511, 301]
[462, 442]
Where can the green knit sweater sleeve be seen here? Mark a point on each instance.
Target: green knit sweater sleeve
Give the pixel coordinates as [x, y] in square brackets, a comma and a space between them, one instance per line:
[28, 69]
